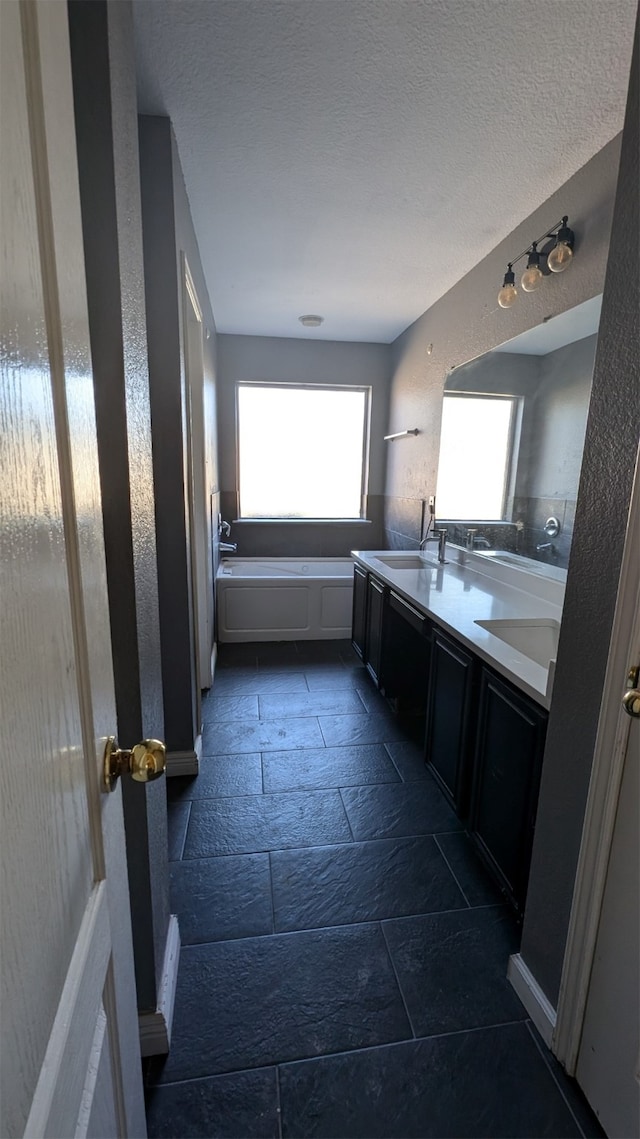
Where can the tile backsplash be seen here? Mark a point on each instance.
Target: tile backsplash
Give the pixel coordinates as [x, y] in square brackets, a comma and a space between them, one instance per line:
[533, 513]
[394, 523]
[402, 518]
[274, 538]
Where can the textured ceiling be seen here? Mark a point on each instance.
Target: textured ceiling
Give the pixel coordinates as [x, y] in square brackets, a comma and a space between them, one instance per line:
[355, 158]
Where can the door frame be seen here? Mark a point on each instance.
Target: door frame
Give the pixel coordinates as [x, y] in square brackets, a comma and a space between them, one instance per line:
[197, 495]
[602, 801]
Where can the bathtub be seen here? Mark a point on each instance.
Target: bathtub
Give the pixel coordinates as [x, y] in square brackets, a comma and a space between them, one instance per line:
[284, 599]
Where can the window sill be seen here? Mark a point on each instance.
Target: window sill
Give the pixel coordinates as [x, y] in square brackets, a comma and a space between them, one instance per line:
[302, 521]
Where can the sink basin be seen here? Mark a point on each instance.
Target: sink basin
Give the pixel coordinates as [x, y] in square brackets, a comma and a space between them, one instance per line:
[534, 637]
[498, 555]
[406, 561]
[519, 561]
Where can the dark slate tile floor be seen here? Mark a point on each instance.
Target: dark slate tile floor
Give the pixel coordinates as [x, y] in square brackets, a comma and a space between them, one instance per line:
[344, 956]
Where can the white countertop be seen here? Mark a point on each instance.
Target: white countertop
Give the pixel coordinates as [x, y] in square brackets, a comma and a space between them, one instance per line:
[469, 589]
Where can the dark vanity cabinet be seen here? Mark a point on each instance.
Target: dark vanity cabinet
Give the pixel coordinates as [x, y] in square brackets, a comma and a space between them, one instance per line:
[375, 627]
[484, 738]
[392, 638]
[506, 779]
[450, 718]
[359, 616]
[406, 648]
[369, 597]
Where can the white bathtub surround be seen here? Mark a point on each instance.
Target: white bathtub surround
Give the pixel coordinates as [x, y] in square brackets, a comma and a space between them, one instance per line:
[505, 614]
[284, 599]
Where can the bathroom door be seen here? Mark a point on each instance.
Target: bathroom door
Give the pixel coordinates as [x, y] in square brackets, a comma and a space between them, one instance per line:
[608, 1062]
[608, 1068]
[70, 1061]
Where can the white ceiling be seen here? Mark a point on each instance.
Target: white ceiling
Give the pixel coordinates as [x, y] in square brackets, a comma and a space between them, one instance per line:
[355, 158]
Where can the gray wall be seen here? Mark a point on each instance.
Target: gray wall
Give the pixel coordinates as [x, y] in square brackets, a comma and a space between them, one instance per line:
[462, 325]
[467, 322]
[186, 243]
[302, 361]
[610, 457]
[167, 231]
[106, 127]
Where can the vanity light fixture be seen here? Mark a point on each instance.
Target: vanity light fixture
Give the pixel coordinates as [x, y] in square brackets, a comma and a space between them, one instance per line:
[555, 256]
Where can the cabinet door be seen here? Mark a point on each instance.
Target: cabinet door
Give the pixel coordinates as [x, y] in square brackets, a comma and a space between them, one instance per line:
[506, 778]
[406, 649]
[448, 741]
[359, 617]
[375, 621]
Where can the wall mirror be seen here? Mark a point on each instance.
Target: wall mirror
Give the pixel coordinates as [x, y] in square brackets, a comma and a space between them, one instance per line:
[511, 445]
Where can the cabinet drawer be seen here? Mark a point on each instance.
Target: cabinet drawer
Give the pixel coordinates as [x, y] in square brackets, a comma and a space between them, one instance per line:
[412, 616]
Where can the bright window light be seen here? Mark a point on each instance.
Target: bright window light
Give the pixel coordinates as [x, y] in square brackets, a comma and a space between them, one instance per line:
[475, 455]
[301, 451]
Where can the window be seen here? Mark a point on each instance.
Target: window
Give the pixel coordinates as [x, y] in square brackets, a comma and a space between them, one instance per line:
[475, 455]
[302, 451]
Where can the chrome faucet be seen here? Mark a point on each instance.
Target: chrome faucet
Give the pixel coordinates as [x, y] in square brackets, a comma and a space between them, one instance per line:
[442, 546]
[439, 536]
[545, 546]
[225, 528]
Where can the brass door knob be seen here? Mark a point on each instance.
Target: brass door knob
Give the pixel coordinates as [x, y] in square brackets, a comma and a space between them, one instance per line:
[144, 762]
[631, 703]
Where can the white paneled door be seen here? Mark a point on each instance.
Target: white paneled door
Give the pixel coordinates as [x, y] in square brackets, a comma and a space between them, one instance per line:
[70, 1061]
[608, 1068]
[597, 1034]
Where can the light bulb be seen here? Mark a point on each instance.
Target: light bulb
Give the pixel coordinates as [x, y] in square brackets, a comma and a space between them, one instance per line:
[508, 292]
[531, 279]
[560, 257]
[507, 296]
[532, 276]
